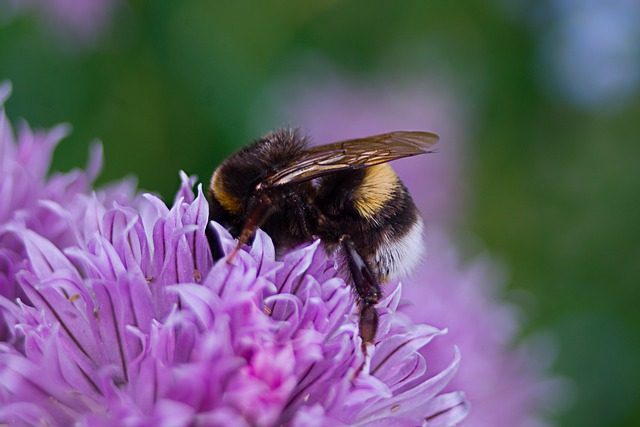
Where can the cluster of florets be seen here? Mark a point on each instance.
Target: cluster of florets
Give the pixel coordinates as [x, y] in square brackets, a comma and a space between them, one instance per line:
[113, 311]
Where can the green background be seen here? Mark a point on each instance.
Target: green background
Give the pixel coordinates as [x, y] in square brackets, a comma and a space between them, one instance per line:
[554, 186]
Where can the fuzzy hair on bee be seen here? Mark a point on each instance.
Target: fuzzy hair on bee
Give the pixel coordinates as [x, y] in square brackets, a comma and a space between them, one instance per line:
[344, 193]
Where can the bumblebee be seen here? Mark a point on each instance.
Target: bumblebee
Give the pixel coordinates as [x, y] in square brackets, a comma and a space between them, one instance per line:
[343, 193]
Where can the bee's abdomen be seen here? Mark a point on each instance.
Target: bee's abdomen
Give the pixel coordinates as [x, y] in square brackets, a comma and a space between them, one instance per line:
[392, 238]
[376, 211]
[400, 254]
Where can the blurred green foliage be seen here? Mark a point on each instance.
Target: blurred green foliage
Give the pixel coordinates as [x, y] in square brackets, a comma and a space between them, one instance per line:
[555, 188]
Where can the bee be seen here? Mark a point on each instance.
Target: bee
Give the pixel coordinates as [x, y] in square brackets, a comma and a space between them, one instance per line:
[344, 193]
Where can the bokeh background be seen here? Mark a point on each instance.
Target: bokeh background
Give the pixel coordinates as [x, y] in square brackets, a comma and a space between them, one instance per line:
[536, 103]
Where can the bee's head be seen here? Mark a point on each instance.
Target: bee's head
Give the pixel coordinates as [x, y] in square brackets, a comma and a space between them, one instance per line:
[236, 183]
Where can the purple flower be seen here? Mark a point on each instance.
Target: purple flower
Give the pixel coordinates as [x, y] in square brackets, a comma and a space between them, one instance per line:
[464, 298]
[130, 322]
[52, 205]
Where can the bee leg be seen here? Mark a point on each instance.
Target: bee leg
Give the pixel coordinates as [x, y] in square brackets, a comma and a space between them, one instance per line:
[367, 289]
[258, 215]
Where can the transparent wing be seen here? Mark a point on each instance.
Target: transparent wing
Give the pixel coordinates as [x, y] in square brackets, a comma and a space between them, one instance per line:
[353, 154]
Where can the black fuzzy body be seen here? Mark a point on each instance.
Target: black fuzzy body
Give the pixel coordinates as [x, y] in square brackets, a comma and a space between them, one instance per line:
[302, 212]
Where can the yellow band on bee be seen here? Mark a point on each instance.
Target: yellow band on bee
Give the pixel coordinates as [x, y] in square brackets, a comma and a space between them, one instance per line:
[377, 188]
[228, 202]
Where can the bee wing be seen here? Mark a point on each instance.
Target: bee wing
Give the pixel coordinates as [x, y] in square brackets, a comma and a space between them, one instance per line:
[353, 154]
